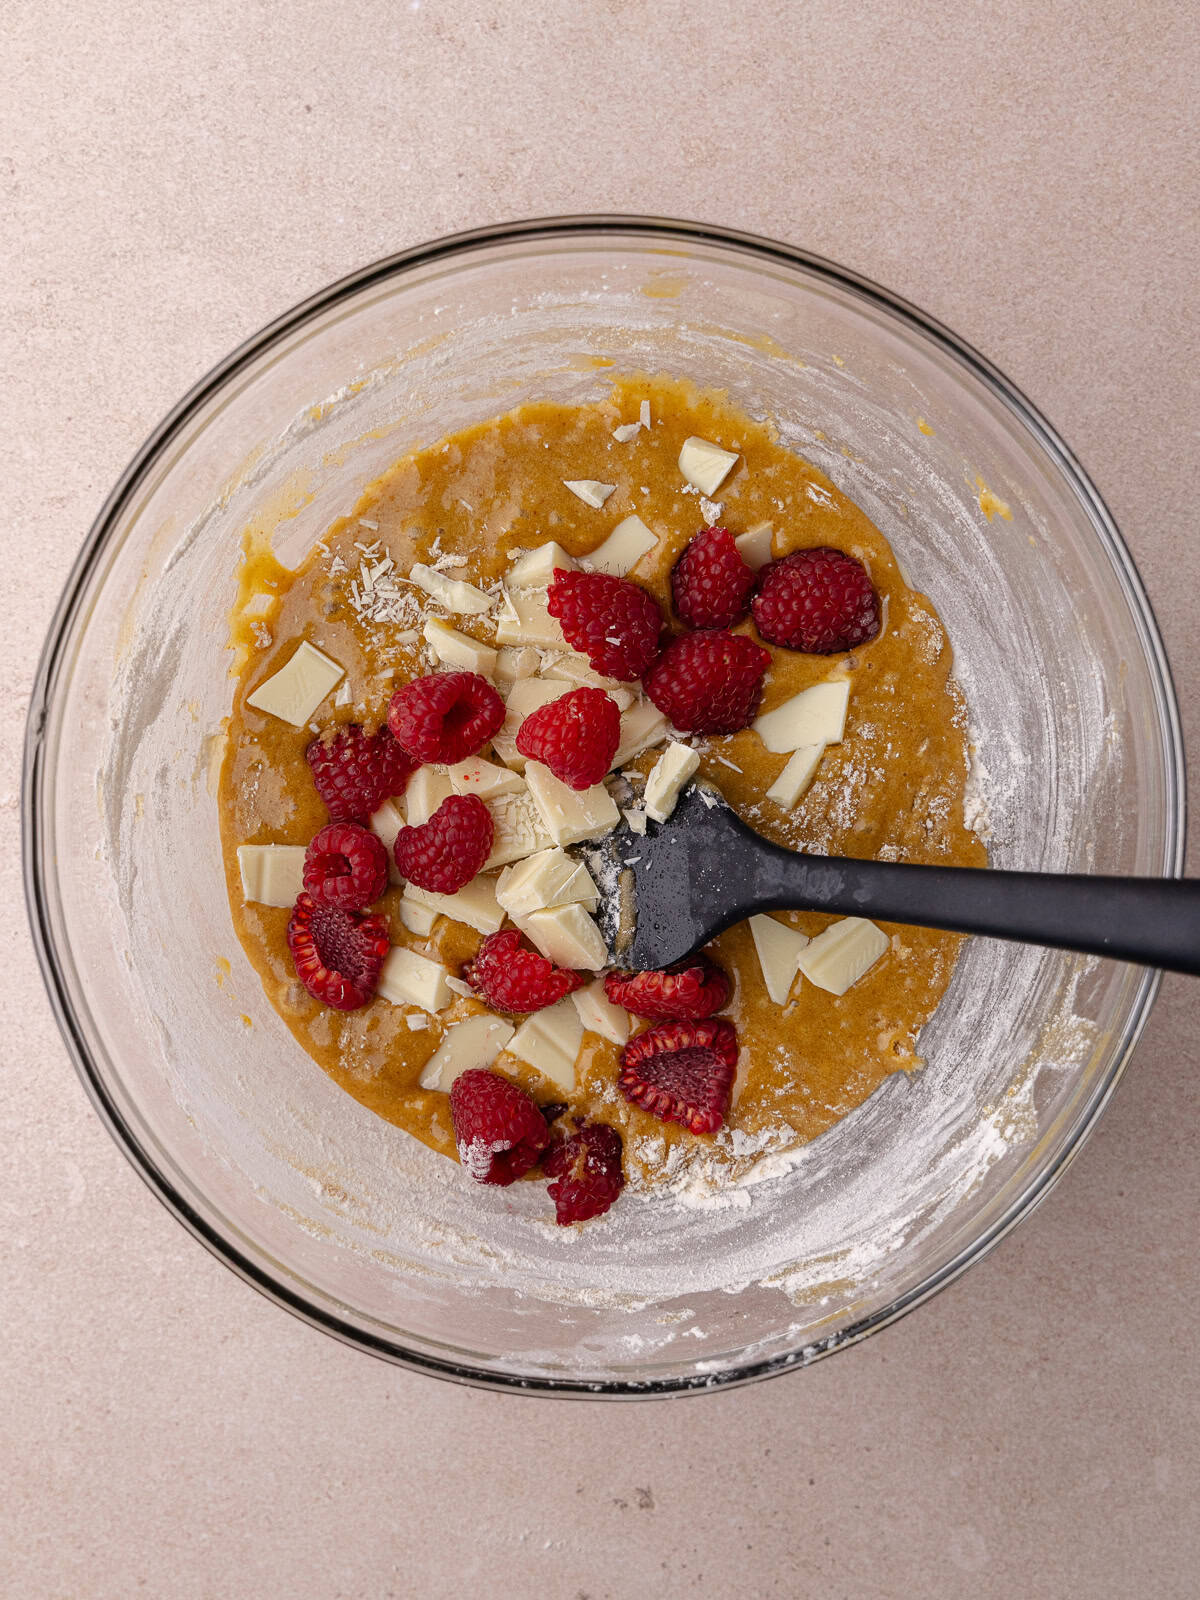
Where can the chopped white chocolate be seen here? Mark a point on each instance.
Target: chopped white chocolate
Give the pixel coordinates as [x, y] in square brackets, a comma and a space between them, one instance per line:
[455, 649]
[570, 815]
[407, 979]
[473, 1043]
[779, 948]
[416, 1021]
[635, 817]
[452, 593]
[843, 953]
[549, 1042]
[386, 824]
[345, 693]
[427, 788]
[578, 670]
[814, 716]
[667, 777]
[623, 549]
[755, 546]
[549, 878]
[517, 661]
[642, 725]
[272, 874]
[476, 905]
[599, 1015]
[568, 936]
[796, 775]
[589, 491]
[294, 692]
[517, 829]
[416, 918]
[705, 465]
[524, 620]
[627, 431]
[644, 413]
[535, 569]
[484, 778]
[525, 696]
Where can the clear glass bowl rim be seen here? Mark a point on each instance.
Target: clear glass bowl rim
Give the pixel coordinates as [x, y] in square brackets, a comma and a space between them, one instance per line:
[36, 774]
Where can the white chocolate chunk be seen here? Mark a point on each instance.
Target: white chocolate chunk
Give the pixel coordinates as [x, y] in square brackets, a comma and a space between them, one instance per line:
[667, 777]
[589, 491]
[843, 953]
[796, 776]
[535, 569]
[427, 788]
[705, 465]
[636, 819]
[549, 878]
[416, 1021]
[473, 1043]
[644, 413]
[484, 778]
[517, 829]
[454, 649]
[294, 692]
[627, 431]
[814, 716]
[417, 919]
[755, 546]
[779, 949]
[524, 620]
[576, 669]
[476, 904]
[642, 725]
[525, 697]
[385, 825]
[517, 661]
[452, 593]
[570, 815]
[272, 874]
[549, 1042]
[407, 979]
[623, 549]
[568, 936]
[599, 1015]
[345, 693]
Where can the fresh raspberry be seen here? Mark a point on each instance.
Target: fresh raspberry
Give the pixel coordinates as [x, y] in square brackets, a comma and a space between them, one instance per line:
[446, 852]
[588, 1173]
[337, 954]
[711, 583]
[709, 682]
[446, 716]
[614, 623]
[682, 1072]
[512, 977]
[818, 600]
[346, 865]
[355, 772]
[576, 736]
[499, 1130]
[690, 990]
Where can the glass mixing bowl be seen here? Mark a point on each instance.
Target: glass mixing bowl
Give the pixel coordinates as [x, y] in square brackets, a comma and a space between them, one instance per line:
[339, 1216]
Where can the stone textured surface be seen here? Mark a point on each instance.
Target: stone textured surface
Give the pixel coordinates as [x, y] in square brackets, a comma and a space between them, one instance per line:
[172, 178]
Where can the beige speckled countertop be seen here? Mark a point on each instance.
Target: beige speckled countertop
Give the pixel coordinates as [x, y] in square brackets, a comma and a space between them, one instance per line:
[172, 178]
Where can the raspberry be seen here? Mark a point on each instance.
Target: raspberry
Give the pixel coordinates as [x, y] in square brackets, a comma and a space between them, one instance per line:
[588, 1173]
[446, 852]
[818, 600]
[614, 623]
[346, 866]
[690, 989]
[576, 736]
[446, 716]
[499, 1130]
[682, 1072]
[512, 977]
[711, 583]
[709, 682]
[355, 772]
[337, 954]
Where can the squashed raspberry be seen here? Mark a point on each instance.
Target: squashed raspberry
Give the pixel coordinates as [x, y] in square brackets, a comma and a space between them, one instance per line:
[587, 1172]
[711, 583]
[819, 600]
[709, 682]
[355, 772]
[682, 1072]
[511, 976]
[614, 623]
[499, 1130]
[689, 990]
[337, 954]
[346, 865]
[445, 853]
[576, 736]
[446, 716]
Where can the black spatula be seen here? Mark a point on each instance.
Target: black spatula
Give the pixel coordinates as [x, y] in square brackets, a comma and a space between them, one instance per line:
[685, 880]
